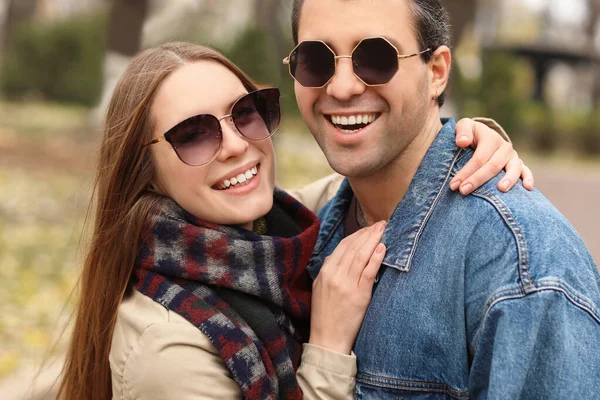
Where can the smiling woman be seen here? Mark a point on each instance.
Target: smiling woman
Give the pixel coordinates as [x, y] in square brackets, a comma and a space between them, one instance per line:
[235, 143]
[195, 284]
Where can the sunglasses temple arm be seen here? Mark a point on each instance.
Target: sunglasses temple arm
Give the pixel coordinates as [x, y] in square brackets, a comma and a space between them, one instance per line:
[158, 139]
[413, 55]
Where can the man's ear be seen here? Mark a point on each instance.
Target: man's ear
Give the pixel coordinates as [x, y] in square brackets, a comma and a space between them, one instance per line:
[439, 71]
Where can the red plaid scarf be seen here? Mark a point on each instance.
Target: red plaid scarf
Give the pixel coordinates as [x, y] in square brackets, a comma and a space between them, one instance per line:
[182, 263]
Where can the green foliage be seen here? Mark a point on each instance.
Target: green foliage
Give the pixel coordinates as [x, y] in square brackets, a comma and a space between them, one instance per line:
[465, 93]
[256, 53]
[498, 90]
[60, 61]
[587, 135]
[253, 53]
[539, 125]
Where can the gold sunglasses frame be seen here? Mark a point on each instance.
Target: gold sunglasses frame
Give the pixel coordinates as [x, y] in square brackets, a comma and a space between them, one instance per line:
[163, 138]
[286, 61]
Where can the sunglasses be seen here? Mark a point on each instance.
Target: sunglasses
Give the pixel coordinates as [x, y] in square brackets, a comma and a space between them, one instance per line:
[197, 140]
[374, 60]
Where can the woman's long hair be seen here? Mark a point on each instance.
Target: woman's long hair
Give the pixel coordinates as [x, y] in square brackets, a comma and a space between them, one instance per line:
[123, 202]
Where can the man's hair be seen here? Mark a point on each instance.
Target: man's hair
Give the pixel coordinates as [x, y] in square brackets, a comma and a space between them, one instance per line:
[432, 26]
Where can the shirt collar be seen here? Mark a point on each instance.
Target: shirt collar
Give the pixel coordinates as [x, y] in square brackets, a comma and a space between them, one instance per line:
[410, 216]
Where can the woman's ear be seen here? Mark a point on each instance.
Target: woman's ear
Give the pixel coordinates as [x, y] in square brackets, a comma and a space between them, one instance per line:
[154, 188]
[439, 71]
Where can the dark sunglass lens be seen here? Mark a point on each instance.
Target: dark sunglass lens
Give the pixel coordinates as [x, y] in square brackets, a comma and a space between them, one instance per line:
[375, 61]
[197, 139]
[312, 64]
[257, 114]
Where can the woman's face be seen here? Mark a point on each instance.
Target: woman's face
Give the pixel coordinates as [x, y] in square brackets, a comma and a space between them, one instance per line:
[207, 87]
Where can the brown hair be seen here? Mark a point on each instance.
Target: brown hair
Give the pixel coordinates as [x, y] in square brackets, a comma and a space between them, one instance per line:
[123, 201]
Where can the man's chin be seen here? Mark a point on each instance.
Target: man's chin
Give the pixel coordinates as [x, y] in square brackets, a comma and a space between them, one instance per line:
[353, 168]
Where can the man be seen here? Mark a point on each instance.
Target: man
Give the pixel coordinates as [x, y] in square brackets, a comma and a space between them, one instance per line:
[491, 295]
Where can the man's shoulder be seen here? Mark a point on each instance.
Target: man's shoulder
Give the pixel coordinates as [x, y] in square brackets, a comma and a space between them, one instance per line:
[522, 235]
[534, 222]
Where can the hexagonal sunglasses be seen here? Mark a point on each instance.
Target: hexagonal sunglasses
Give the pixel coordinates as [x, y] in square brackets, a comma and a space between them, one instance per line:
[374, 60]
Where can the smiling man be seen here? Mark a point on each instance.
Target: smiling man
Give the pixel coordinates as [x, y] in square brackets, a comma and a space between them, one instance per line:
[492, 295]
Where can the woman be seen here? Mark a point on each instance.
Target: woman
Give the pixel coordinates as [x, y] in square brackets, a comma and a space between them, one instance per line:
[195, 284]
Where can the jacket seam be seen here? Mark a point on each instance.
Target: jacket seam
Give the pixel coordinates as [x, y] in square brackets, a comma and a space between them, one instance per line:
[574, 297]
[517, 232]
[137, 344]
[412, 385]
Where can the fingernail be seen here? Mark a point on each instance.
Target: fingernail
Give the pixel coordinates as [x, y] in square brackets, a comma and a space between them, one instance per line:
[454, 185]
[505, 184]
[380, 248]
[466, 189]
[529, 182]
[463, 138]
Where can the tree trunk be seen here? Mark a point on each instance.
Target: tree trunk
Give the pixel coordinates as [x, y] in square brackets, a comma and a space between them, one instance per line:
[124, 41]
[17, 12]
[593, 27]
[267, 19]
[462, 13]
[125, 27]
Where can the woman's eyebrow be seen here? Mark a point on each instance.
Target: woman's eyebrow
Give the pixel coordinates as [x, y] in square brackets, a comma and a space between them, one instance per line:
[230, 105]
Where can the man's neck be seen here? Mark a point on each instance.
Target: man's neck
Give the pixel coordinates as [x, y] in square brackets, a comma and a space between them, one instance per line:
[379, 194]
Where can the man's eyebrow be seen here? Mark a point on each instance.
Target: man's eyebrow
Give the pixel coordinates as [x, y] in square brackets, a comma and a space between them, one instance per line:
[396, 44]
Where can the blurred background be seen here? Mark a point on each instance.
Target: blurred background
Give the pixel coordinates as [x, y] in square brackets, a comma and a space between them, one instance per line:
[533, 65]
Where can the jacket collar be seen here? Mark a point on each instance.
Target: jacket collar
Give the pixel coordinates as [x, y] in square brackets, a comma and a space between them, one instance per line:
[411, 215]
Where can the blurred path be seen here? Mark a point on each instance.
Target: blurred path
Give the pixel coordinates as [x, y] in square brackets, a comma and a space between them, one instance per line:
[575, 191]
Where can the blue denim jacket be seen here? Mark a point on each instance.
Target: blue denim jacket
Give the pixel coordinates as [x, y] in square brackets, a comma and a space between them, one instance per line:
[489, 296]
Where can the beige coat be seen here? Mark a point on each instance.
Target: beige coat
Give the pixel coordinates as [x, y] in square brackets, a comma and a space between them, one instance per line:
[157, 354]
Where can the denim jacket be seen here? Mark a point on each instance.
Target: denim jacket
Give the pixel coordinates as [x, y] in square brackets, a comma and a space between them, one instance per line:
[489, 296]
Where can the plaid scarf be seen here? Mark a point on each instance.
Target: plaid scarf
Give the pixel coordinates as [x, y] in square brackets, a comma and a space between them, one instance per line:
[183, 262]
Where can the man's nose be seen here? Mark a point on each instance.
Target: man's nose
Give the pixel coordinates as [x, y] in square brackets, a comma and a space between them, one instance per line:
[344, 84]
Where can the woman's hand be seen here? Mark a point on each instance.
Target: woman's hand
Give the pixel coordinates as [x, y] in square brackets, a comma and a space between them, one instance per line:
[492, 154]
[343, 288]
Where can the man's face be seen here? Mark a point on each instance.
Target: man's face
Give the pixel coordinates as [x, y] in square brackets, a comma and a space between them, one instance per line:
[399, 109]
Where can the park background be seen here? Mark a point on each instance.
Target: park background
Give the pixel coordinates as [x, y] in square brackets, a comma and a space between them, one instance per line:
[533, 65]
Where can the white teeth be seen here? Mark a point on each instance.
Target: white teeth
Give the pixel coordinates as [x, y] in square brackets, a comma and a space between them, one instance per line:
[362, 119]
[239, 179]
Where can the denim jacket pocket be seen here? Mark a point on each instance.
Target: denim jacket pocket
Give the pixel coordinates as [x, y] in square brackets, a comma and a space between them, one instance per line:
[370, 387]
